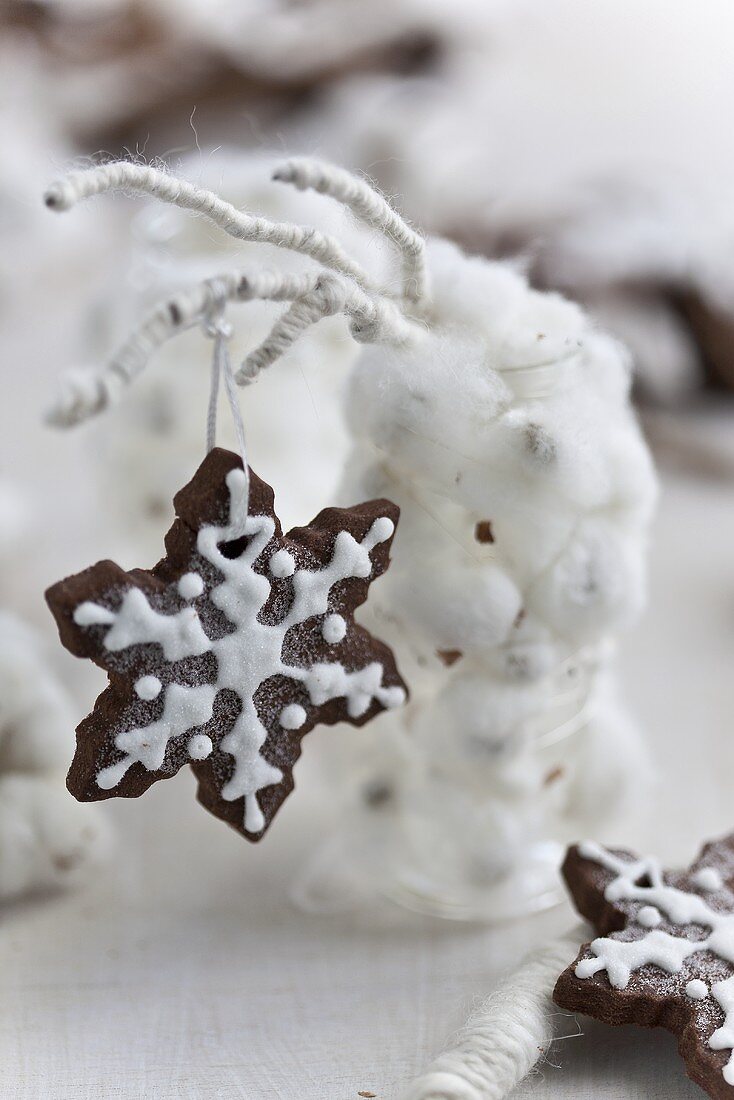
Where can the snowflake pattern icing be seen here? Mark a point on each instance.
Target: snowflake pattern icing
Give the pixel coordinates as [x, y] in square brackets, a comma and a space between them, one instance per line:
[240, 607]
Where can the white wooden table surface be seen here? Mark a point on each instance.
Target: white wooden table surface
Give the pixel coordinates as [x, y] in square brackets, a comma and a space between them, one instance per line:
[184, 972]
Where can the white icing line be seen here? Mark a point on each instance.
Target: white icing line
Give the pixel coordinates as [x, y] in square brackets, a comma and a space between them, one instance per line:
[91, 614]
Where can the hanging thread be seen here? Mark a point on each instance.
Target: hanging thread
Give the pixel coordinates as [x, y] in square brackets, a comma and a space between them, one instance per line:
[217, 327]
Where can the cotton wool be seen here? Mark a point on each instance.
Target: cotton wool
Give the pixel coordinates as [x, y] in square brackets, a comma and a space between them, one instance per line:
[507, 437]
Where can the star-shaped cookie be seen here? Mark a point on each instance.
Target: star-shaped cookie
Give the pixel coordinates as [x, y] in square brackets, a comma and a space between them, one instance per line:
[231, 648]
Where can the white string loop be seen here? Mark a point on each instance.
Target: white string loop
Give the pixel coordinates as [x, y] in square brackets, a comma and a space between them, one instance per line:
[216, 326]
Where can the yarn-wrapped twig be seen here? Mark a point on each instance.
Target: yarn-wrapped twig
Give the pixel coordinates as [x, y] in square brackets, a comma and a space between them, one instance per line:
[504, 1039]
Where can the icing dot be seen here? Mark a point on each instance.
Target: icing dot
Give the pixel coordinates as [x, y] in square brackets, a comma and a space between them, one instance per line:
[148, 687]
[393, 697]
[333, 629]
[649, 916]
[382, 529]
[707, 879]
[282, 564]
[292, 717]
[190, 586]
[200, 746]
[697, 990]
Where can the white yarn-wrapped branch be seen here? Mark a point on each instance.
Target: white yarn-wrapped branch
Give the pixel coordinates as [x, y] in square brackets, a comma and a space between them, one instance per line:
[145, 180]
[373, 314]
[369, 205]
[504, 1039]
[85, 393]
[371, 321]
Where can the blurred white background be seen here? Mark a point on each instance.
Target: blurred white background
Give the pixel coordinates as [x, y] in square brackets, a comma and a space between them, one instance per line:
[591, 141]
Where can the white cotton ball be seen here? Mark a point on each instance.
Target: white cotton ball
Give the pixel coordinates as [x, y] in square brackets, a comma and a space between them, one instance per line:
[458, 605]
[519, 327]
[425, 408]
[596, 585]
[437, 845]
[47, 840]
[475, 729]
[531, 651]
[634, 484]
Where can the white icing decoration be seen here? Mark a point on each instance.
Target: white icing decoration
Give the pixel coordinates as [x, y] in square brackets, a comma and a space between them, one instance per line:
[697, 990]
[148, 687]
[292, 717]
[649, 916]
[621, 957]
[190, 586]
[333, 629]
[282, 564]
[247, 656]
[707, 879]
[136, 622]
[200, 746]
[91, 614]
[183, 708]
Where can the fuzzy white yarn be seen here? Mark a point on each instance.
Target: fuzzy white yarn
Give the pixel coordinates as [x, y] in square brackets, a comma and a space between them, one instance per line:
[369, 205]
[143, 179]
[505, 1038]
[353, 292]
